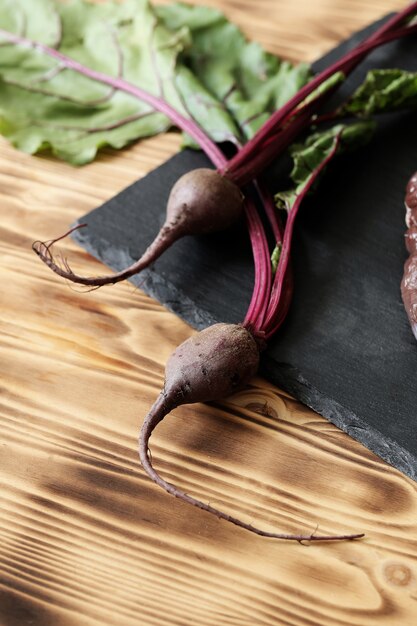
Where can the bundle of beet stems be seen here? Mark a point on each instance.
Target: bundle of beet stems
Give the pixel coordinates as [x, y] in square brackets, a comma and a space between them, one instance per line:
[224, 357]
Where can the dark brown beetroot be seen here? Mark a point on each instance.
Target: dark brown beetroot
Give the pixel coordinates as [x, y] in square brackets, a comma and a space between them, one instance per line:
[201, 202]
[209, 366]
[411, 240]
[409, 291]
[411, 202]
[411, 210]
[409, 280]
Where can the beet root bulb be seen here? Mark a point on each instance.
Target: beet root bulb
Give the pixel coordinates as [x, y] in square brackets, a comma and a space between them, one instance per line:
[209, 366]
[409, 279]
[202, 201]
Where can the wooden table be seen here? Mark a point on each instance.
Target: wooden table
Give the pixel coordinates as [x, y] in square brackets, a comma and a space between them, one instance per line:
[85, 537]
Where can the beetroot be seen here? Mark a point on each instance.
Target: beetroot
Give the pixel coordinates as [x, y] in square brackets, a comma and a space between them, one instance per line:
[201, 201]
[409, 280]
[209, 366]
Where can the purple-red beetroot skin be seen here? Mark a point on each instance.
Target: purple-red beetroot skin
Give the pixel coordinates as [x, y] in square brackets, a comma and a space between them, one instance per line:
[409, 290]
[411, 202]
[409, 280]
[211, 365]
[203, 201]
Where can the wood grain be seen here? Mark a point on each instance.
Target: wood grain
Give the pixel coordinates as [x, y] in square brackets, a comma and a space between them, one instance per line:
[85, 538]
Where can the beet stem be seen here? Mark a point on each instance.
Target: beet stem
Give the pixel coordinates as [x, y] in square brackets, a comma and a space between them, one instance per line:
[271, 211]
[255, 315]
[157, 413]
[273, 146]
[263, 272]
[270, 326]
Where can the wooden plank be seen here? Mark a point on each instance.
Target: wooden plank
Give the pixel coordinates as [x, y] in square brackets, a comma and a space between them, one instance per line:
[86, 538]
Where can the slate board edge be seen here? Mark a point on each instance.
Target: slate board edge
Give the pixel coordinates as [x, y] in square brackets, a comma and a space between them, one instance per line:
[283, 375]
[289, 379]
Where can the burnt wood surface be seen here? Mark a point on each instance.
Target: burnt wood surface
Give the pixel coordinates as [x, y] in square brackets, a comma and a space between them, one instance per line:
[86, 538]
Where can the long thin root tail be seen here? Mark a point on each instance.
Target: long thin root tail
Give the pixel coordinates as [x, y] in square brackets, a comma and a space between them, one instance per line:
[157, 413]
[44, 251]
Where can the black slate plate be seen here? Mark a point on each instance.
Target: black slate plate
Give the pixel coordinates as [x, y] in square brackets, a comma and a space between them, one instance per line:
[346, 349]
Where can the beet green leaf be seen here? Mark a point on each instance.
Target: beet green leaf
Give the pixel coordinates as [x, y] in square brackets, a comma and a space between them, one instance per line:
[46, 106]
[382, 91]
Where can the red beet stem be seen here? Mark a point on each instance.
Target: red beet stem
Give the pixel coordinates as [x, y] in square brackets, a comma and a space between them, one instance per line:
[284, 303]
[270, 210]
[256, 313]
[157, 413]
[272, 322]
[273, 146]
[263, 274]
